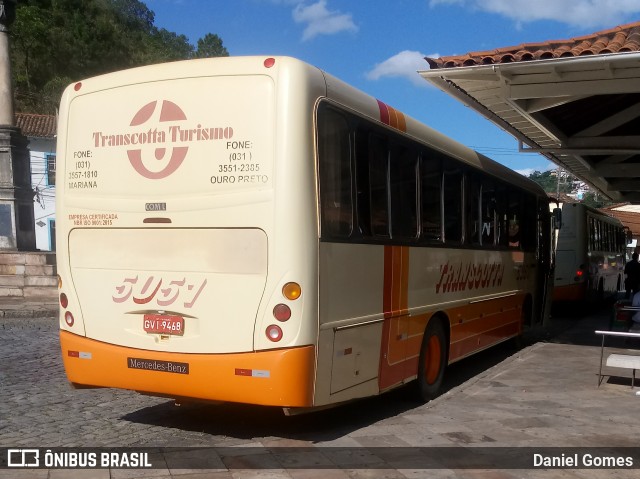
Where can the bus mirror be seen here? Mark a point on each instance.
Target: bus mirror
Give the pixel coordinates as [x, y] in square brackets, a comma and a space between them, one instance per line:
[557, 218]
[628, 235]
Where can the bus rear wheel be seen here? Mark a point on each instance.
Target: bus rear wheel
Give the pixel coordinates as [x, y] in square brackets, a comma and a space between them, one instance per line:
[433, 360]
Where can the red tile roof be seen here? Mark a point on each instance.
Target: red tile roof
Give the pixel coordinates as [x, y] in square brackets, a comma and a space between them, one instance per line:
[624, 38]
[37, 126]
[561, 197]
[630, 219]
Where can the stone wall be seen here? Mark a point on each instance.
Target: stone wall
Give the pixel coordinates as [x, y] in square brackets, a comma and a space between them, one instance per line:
[28, 274]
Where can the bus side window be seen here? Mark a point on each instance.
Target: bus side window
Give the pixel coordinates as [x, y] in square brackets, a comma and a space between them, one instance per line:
[514, 232]
[452, 185]
[334, 152]
[403, 169]
[529, 223]
[363, 216]
[489, 206]
[474, 220]
[378, 182]
[501, 216]
[431, 197]
[596, 235]
[514, 218]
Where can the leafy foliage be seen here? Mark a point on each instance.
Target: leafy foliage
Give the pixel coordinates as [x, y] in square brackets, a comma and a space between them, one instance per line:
[56, 42]
[552, 183]
[210, 46]
[595, 200]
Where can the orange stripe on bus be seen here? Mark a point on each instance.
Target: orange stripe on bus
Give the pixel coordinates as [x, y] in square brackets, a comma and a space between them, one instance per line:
[402, 122]
[393, 351]
[282, 377]
[396, 280]
[481, 324]
[398, 120]
[470, 345]
[404, 279]
[392, 117]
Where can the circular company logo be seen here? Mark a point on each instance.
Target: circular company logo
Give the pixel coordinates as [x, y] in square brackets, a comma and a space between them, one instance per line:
[168, 112]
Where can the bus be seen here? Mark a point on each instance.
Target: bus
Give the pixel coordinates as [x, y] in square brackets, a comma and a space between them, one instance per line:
[590, 255]
[254, 230]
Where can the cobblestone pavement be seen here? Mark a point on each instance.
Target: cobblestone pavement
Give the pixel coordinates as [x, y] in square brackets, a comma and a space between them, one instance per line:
[544, 395]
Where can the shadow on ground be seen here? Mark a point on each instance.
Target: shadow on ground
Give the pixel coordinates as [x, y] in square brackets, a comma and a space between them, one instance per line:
[245, 422]
[241, 421]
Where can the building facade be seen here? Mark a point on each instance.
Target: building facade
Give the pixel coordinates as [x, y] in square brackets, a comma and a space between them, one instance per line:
[40, 130]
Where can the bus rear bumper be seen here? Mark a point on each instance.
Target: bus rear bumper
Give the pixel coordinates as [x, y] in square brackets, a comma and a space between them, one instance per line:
[570, 292]
[282, 377]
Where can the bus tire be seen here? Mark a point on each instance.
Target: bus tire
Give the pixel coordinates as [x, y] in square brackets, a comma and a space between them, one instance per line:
[433, 360]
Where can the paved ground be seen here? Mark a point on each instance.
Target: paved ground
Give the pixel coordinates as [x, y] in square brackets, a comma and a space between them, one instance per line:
[38, 307]
[497, 408]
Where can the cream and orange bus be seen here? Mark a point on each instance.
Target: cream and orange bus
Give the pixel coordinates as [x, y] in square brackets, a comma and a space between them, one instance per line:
[255, 230]
[590, 255]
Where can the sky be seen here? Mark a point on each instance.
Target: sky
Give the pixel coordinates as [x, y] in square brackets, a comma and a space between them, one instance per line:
[379, 45]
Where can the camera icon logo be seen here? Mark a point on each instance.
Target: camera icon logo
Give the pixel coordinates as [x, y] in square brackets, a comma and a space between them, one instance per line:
[23, 458]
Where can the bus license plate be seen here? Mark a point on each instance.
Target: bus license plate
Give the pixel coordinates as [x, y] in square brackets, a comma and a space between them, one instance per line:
[163, 324]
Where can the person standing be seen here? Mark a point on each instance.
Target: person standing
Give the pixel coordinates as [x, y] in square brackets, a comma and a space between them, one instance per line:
[632, 271]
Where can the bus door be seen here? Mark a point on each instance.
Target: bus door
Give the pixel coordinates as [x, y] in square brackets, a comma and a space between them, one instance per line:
[545, 263]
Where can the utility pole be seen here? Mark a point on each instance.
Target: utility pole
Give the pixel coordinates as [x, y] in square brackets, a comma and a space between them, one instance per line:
[17, 229]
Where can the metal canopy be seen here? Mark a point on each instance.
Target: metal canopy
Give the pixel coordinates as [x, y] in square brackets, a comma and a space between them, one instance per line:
[582, 113]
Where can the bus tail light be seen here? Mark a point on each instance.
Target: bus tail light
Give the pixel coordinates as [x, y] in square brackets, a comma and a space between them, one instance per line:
[274, 333]
[68, 318]
[282, 312]
[578, 275]
[64, 301]
[291, 291]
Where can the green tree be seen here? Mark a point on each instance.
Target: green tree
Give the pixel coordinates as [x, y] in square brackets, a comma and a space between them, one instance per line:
[55, 42]
[29, 65]
[595, 200]
[551, 183]
[211, 46]
[165, 46]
